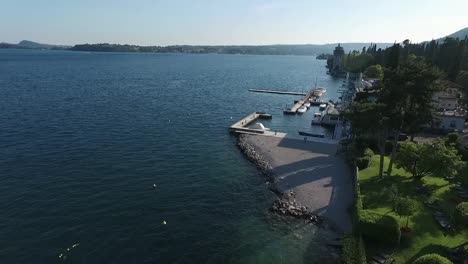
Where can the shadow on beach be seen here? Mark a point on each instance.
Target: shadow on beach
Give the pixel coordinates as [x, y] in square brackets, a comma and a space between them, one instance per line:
[320, 179]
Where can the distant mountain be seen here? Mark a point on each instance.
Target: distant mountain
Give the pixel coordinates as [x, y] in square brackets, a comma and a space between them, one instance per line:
[26, 44]
[460, 34]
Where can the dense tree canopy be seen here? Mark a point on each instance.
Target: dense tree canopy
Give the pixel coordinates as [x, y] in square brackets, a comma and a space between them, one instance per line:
[421, 160]
[356, 62]
[374, 71]
[450, 55]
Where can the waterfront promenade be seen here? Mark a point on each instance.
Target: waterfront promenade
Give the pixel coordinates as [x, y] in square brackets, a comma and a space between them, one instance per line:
[320, 180]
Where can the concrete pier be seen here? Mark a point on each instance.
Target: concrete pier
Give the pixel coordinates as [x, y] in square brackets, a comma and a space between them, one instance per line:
[241, 126]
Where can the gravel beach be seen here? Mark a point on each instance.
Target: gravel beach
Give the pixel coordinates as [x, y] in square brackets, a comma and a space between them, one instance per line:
[320, 180]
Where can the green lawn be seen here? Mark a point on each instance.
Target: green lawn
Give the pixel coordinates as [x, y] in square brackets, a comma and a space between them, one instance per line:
[426, 235]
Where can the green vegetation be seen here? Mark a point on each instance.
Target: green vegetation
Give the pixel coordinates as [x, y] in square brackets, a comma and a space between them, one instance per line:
[416, 193]
[426, 236]
[364, 159]
[356, 62]
[379, 229]
[361, 115]
[432, 259]
[403, 104]
[449, 55]
[353, 250]
[428, 159]
[405, 207]
[392, 194]
[375, 71]
[461, 214]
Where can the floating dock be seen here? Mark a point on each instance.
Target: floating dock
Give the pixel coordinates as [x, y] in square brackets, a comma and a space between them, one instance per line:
[298, 104]
[276, 92]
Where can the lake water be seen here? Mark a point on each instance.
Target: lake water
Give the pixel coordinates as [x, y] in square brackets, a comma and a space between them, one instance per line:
[84, 136]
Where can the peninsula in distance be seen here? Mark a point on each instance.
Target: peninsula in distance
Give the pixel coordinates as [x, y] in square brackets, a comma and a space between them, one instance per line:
[280, 49]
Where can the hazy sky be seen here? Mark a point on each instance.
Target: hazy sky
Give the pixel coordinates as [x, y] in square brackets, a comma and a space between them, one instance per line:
[154, 22]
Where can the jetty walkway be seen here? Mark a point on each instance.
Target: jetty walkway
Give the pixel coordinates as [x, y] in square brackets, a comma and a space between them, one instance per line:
[276, 92]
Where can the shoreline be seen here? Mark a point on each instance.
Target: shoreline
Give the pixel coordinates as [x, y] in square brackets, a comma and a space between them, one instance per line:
[282, 166]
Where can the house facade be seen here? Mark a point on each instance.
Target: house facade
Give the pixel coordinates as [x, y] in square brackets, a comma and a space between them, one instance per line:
[447, 99]
[451, 120]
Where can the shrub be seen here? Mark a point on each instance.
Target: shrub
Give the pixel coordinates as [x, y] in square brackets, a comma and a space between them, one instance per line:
[461, 214]
[358, 207]
[405, 207]
[380, 229]
[432, 259]
[354, 251]
[365, 159]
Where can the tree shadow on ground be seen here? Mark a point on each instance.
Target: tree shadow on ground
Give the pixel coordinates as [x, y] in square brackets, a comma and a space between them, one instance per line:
[373, 188]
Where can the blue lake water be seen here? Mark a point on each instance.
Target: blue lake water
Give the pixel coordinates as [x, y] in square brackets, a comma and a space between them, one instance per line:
[84, 136]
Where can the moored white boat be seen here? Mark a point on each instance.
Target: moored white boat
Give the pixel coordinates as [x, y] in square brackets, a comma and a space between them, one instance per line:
[323, 90]
[302, 109]
[307, 104]
[322, 106]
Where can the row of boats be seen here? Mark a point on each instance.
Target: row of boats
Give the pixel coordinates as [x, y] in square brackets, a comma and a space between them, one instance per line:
[316, 93]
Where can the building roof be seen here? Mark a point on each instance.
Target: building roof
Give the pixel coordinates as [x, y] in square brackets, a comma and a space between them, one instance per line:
[450, 84]
[332, 111]
[453, 113]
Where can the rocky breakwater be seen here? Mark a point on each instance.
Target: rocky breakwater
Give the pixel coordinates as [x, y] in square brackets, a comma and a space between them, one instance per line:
[287, 205]
[263, 165]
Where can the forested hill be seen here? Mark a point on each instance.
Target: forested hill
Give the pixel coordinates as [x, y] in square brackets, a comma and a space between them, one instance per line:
[306, 49]
[461, 34]
[26, 44]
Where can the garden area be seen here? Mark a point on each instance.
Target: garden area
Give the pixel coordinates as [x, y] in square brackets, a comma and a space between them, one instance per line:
[428, 227]
[411, 197]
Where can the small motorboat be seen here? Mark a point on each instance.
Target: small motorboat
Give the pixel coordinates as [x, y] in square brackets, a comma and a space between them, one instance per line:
[317, 114]
[317, 93]
[322, 106]
[307, 104]
[302, 109]
[323, 90]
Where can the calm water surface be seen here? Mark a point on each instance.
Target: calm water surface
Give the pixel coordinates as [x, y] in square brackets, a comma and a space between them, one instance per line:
[84, 136]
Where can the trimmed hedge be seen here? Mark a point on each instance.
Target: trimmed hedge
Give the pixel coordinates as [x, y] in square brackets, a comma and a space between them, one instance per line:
[380, 229]
[432, 259]
[461, 214]
[365, 160]
[358, 207]
[354, 251]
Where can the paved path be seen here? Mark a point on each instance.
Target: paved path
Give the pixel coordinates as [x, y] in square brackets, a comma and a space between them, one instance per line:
[320, 180]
